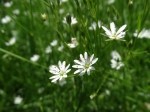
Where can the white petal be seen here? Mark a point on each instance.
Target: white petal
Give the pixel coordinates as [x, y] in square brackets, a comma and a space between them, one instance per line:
[68, 70]
[108, 32]
[82, 58]
[113, 28]
[121, 35]
[77, 66]
[91, 58]
[94, 61]
[54, 72]
[67, 67]
[78, 71]
[77, 62]
[85, 56]
[88, 71]
[121, 29]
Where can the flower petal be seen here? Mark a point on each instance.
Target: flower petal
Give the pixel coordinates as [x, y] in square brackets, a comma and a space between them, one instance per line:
[108, 32]
[113, 28]
[121, 29]
[94, 61]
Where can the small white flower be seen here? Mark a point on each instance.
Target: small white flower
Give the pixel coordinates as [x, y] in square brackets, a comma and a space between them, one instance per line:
[35, 58]
[11, 42]
[113, 34]
[63, 1]
[94, 25]
[62, 82]
[8, 4]
[60, 48]
[85, 64]
[110, 1]
[73, 44]
[18, 100]
[73, 20]
[145, 33]
[60, 71]
[54, 43]
[48, 50]
[5, 20]
[116, 62]
[16, 11]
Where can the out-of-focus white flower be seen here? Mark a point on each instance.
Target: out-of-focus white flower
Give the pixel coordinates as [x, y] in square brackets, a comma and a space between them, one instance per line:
[18, 100]
[110, 1]
[94, 25]
[63, 1]
[11, 42]
[16, 11]
[60, 71]
[145, 33]
[5, 20]
[72, 20]
[35, 58]
[113, 34]
[54, 43]
[61, 11]
[8, 4]
[40, 90]
[73, 44]
[62, 82]
[2, 92]
[107, 92]
[147, 104]
[44, 16]
[48, 50]
[116, 61]
[84, 64]
[60, 48]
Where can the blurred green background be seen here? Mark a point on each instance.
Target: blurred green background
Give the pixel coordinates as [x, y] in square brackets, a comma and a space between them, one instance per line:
[33, 36]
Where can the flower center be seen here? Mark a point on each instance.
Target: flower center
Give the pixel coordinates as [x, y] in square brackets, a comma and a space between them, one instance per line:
[62, 72]
[87, 65]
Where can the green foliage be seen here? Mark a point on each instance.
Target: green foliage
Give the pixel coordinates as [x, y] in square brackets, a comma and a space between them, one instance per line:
[107, 90]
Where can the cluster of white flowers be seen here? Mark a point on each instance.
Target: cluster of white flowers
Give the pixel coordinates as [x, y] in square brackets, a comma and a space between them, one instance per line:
[116, 61]
[84, 65]
[53, 44]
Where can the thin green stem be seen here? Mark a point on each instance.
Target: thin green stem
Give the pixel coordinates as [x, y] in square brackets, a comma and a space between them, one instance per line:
[21, 58]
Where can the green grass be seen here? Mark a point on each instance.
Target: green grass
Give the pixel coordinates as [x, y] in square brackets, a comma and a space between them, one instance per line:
[124, 90]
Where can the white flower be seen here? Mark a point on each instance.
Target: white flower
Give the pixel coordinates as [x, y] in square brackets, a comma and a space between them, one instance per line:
[16, 11]
[94, 25]
[18, 100]
[62, 1]
[145, 33]
[113, 34]
[60, 48]
[73, 44]
[110, 1]
[60, 71]
[11, 42]
[48, 50]
[116, 62]
[8, 4]
[84, 64]
[73, 20]
[5, 20]
[35, 58]
[54, 43]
